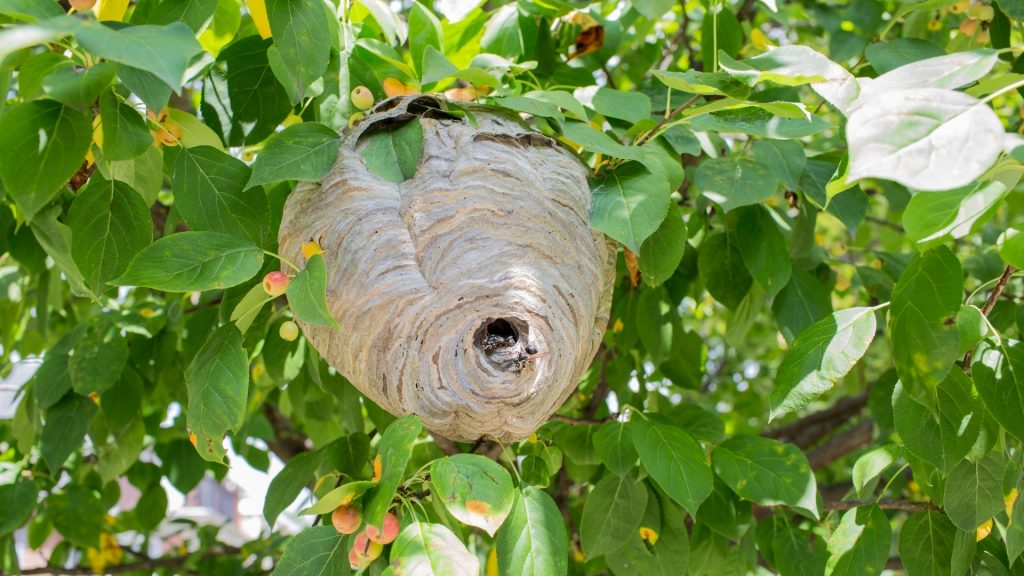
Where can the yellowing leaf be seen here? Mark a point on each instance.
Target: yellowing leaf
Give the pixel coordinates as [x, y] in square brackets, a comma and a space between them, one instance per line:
[258, 11]
[111, 10]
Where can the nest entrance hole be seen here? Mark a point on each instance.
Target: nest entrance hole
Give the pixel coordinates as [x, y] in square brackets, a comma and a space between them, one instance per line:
[505, 342]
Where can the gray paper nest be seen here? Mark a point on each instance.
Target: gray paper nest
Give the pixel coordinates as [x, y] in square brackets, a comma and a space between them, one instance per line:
[473, 294]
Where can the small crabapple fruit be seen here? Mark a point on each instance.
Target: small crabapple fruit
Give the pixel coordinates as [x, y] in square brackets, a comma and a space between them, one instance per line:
[346, 519]
[387, 534]
[362, 98]
[275, 283]
[288, 331]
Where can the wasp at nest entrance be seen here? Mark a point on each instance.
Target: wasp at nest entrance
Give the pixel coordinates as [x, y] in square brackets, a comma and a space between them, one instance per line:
[505, 344]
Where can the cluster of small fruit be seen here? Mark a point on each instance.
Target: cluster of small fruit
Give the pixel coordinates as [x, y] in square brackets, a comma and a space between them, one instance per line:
[275, 284]
[976, 25]
[370, 542]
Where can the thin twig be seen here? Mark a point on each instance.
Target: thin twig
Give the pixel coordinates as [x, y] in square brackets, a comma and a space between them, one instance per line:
[644, 138]
[584, 421]
[993, 297]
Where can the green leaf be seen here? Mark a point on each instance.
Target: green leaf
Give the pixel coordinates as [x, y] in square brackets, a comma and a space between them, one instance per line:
[594, 140]
[80, 88]
[217, 381]
[150, 89]
[189, 261]
[652, 9]
[821, 356]
[164, 51]
[704, 83]
[125, 133]
[533, 540]
[629, 204]
[785, 158]
[475, 489]
[307, 294]
[316, 551]
[801, 303]
[424, 30]
[110, 224]
[392, 26]
[340, 496]
[244, 100]
[423, 549]
[763, 248]
[923, 138]
[1014, 537]
[669, 555]
[30, 10]
[925, 301]
[974, 492]
[944, 72]
[871, 464]
[194, 13]
[675, 461]
[721, 267]
[393, 455]
[887, 56]
[757, 121]
[78, 514]
[1011, 246]
[926, 543]
[64, 430]
[210, 192]
[794, 66]
[98, 359]
[735, 182]
[613, 442]
[304, 151]
[932, 218]
[249, 307]
[629, 106]
[18, 499]
[144, 174]
[302, 36]
[940, 427]
[999, 376]
[393, 153]
[720, 34]
[289, 482]
[860, 544]
[118, 455]
[55, 238]
[53, 380]
[611, 514]
[44, 144]
[767, 472]
[662, 251]
[971, 327]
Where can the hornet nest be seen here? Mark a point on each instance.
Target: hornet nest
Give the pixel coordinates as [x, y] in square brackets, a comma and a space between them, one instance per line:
[474, 293]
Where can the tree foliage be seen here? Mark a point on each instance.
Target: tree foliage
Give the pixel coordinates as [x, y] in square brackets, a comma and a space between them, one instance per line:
[813, 363]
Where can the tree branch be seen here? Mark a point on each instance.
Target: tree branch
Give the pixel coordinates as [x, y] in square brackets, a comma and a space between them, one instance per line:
[841, 445]
[993, 297]
[288, 442]
[810, 429]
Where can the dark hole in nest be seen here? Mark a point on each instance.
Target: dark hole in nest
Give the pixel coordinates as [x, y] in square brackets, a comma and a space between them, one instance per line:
[502, 328]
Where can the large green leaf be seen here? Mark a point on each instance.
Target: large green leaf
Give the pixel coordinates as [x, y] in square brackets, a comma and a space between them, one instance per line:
[289, 482]
[735, 182]
[302, 36]
[801, 303]
[423, 549]
[821, 356]
[662, 251]
[301, 152]
[974, 491]
[393, 152]
[110, 224]
[767, 472]
[340, 496]
[796, 65]
[935, 217]
[999, 376]
[210, 192]
[189, 261]
[78, 514]
[44, 144]
[64, 429]
[721, 266]
[217, 381]
[889, 55]
[475, 489]
[785, 158]
[244, 100]
[629, 204]
[393, 455]
[675, 460]
[316, 551]
[925, 301]
[125, 133]
[613, 442]
[307, 294]
[533, 540]
[665, 553]
[860, 544]
[194, 13]
[926, 544]
[611, 514]
[763, 248]
[52, 379]
[98, 359]
[18, 499]
[163, 51]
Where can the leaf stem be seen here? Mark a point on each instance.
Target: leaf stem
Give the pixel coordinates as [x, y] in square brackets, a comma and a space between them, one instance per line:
[282, 259]
[993, 297]
[1002, 91]
[654, 131]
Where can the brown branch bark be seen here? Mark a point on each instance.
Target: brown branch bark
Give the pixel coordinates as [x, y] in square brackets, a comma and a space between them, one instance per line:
[810, 429]
[584, 421]
[288, 442]
[993, 297]
[841, 445]
[447, 446]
